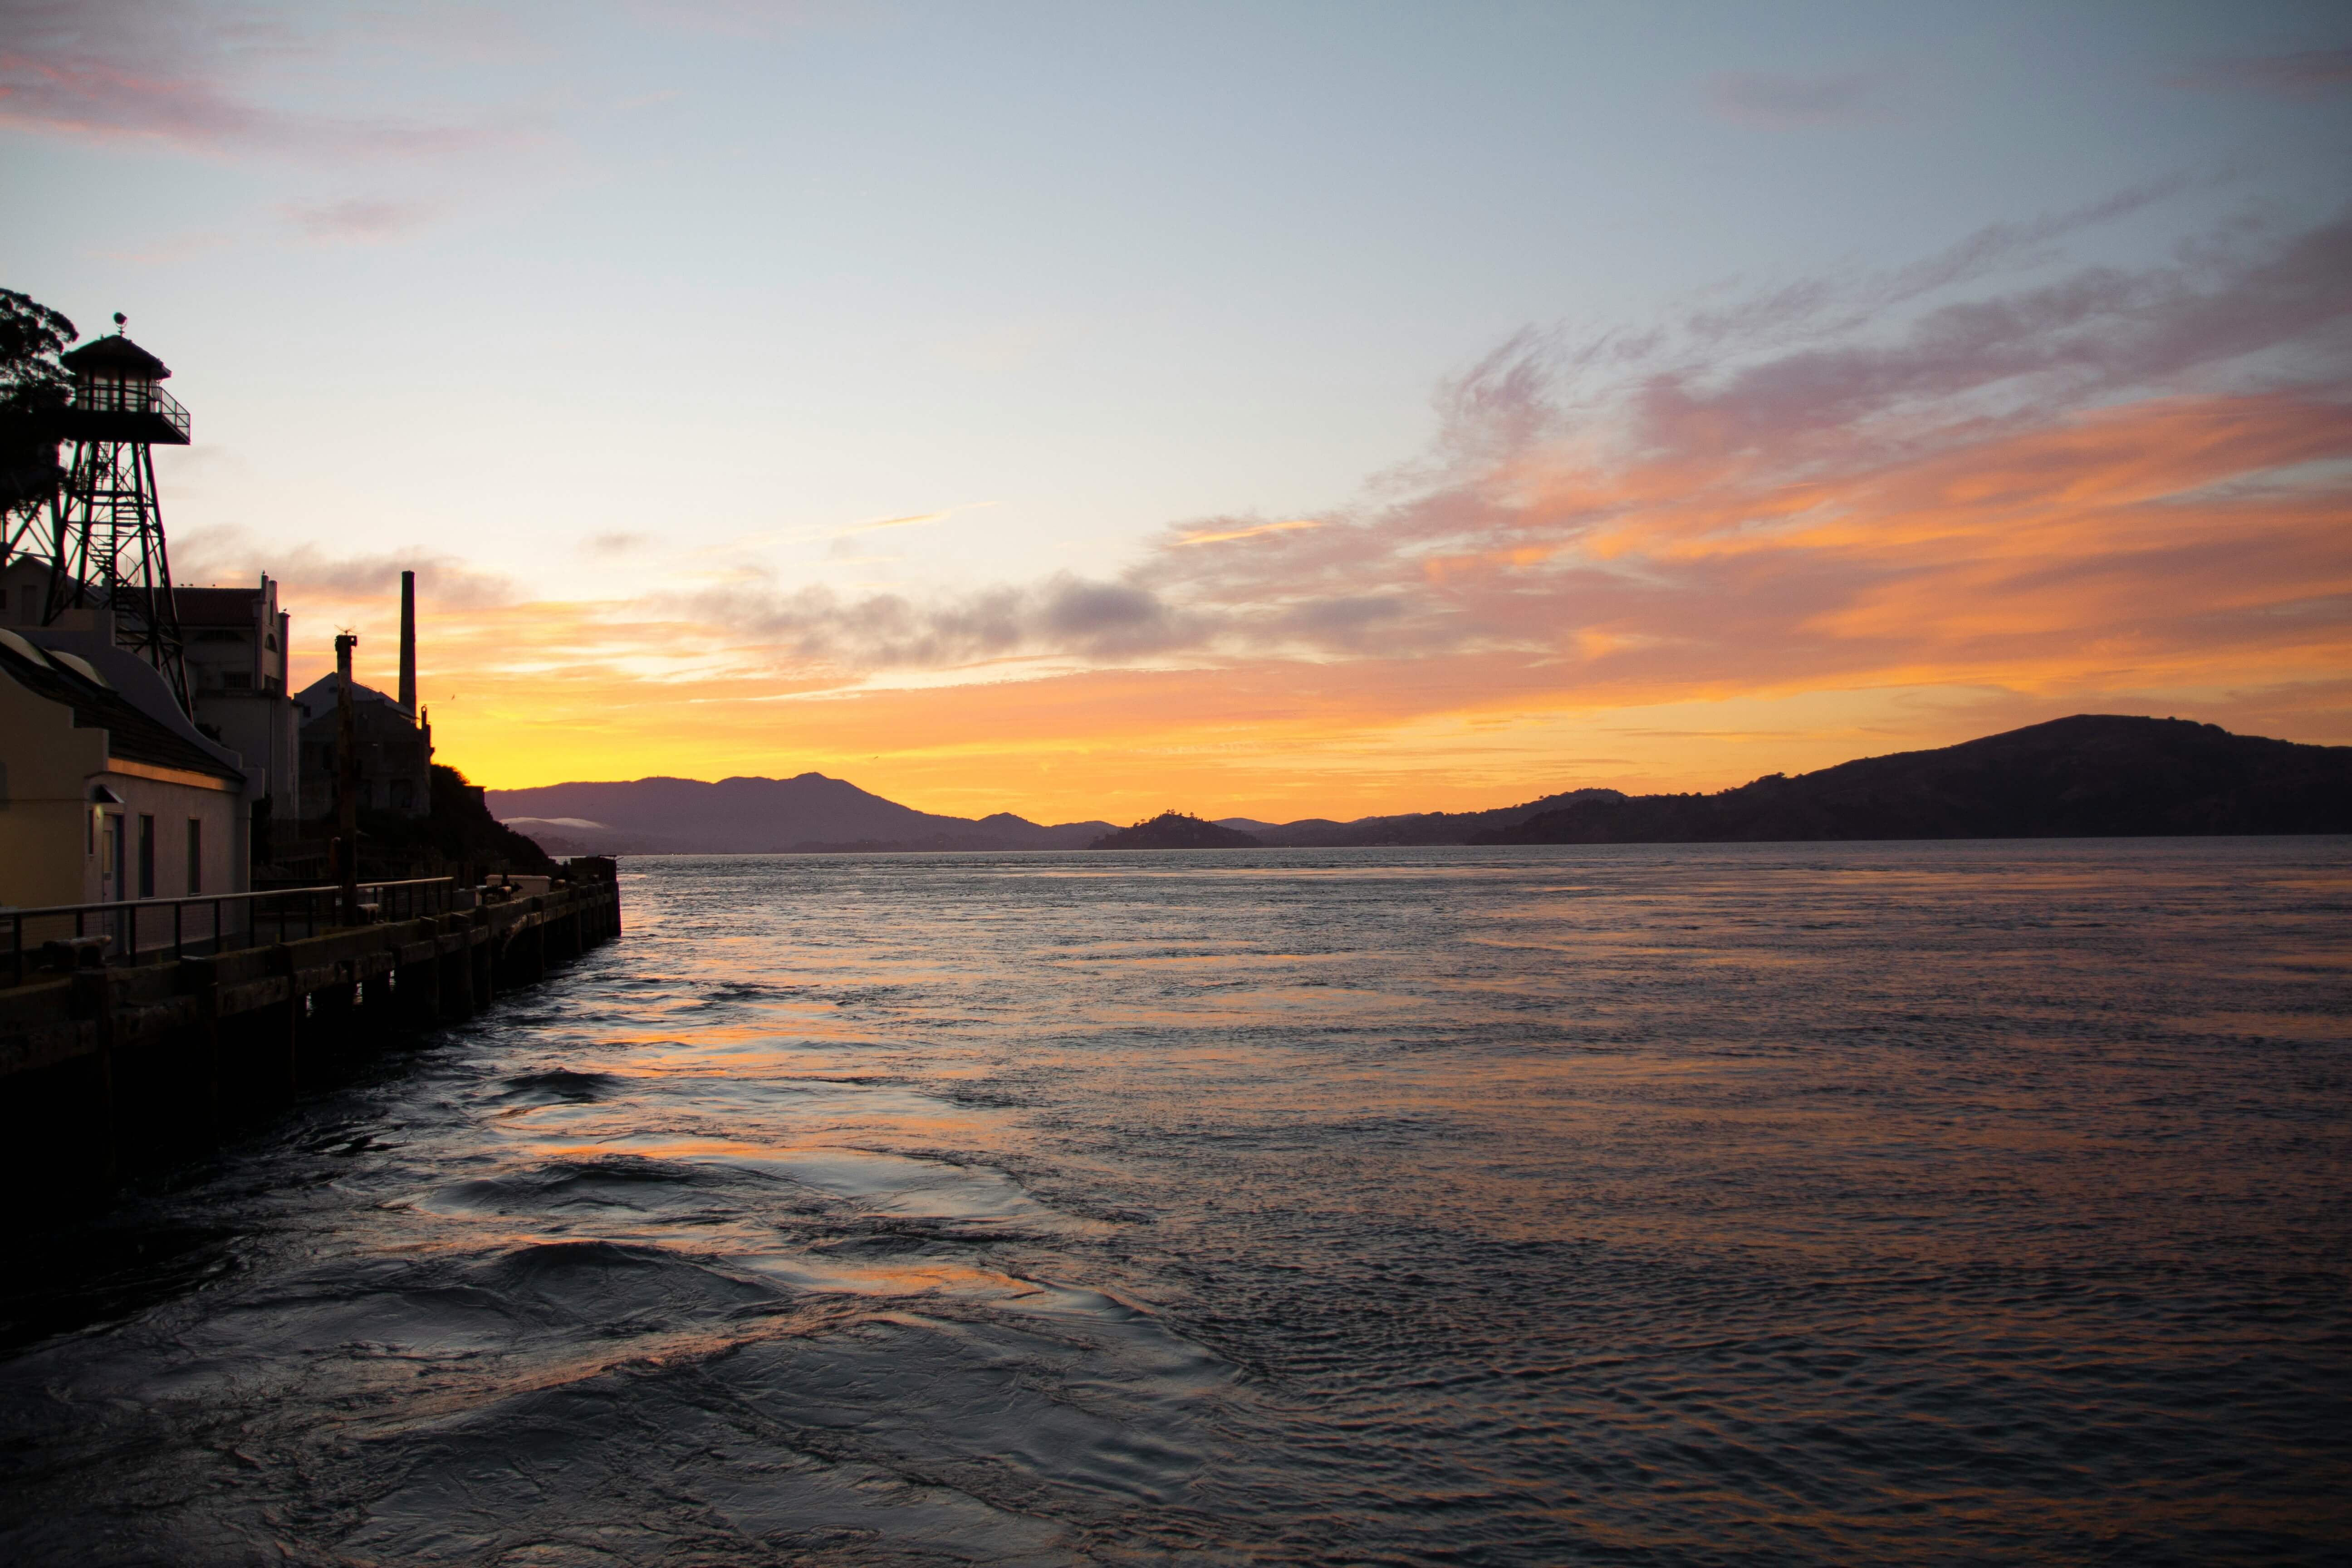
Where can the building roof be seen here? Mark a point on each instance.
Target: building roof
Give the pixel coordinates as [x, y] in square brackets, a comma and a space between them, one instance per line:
[319, 695]
[130, 734]
[117, 355]
[370, 708]
[216, 606]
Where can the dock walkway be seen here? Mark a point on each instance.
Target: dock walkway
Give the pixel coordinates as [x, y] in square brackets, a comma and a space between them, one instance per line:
[187, 1041]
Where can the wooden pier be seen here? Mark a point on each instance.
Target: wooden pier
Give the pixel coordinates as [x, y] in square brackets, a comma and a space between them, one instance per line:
[121, 1060]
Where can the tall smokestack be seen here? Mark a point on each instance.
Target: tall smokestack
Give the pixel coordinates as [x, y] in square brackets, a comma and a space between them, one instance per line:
[408, 642]
[347, 780]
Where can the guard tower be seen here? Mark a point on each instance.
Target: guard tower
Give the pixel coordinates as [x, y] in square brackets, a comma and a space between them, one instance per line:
[107, 522]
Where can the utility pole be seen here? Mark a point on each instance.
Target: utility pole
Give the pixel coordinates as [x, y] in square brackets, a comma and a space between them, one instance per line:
[347, 779]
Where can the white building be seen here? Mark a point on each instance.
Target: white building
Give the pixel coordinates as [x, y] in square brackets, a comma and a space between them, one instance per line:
[238, 658]
[236, 643]
[107, 791]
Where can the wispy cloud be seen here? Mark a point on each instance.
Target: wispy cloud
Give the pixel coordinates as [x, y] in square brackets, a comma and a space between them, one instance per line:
[172, 248]
[232, 555]
[911, 520]
[882, 522]
[746, 20]
[1825, 307]
[2077, 464]
[1256, 530]
[358, 219]
[2306, 74]
[1783, 101]
[1945, 491]
[200, 79]
[1067, 614]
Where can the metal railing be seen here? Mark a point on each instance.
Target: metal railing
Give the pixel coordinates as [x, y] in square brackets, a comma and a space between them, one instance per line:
[280, 914]
[129, 398]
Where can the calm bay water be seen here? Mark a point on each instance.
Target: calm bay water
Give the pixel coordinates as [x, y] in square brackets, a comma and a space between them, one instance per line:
[1804, 1204]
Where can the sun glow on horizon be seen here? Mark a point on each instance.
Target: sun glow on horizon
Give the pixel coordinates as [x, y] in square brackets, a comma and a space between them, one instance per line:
[1352, 440]
[2122, 560]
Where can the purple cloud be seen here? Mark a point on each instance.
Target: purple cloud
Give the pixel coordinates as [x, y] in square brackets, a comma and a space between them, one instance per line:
[2307, 74]
[187, 76]
[1108, 622]
[230, 554]
[1624, 502]
[1782, 102]
[2100, 332]
[358, 219]
[1813, 305]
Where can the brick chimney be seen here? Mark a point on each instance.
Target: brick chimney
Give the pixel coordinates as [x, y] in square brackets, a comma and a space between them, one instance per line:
[408, 642]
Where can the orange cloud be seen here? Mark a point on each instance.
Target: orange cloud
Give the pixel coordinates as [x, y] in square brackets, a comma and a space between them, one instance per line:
[2113, 492]
[1219, 536]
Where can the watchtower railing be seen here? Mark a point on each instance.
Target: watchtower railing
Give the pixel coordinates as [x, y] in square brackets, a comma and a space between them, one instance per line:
[134, 930]
[94, 396]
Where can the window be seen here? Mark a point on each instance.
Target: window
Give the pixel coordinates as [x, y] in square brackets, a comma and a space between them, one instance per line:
[403, 794]
[237, 680]
[195, 855]
[146, 857]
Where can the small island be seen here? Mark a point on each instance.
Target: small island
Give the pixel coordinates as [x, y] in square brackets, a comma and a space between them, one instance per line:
[1176, 830]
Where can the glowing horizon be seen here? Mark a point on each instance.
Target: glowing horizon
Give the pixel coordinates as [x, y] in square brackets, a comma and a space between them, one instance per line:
[2108, 561]
[1147, 412]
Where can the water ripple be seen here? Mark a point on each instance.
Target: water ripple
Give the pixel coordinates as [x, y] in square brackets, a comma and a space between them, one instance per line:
[1768, 1204]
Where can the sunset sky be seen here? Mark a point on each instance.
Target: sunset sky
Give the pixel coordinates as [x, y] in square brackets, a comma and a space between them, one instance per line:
[1277, 409]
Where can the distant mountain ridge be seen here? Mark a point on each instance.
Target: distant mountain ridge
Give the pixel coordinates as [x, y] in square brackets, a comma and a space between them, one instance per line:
[1410, 827]
[2090, 776]
[756, 816]
[812, 814]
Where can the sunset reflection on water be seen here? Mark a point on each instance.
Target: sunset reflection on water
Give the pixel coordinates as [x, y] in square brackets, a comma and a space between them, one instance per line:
[1890, 1203]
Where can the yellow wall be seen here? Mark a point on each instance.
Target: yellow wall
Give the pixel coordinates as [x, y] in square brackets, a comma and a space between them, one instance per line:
[45, 766]
[172, 803]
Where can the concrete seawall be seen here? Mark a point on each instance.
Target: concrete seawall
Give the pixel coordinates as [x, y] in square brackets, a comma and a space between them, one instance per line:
[105, 1067]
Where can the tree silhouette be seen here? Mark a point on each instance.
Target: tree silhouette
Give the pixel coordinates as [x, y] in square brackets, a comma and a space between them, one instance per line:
[33, 388]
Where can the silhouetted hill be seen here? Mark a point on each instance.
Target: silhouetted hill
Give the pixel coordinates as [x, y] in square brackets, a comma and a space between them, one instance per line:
[810, 813]
[1175, 830]
[813, 813]
[2090, 776]
[1411, 827]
